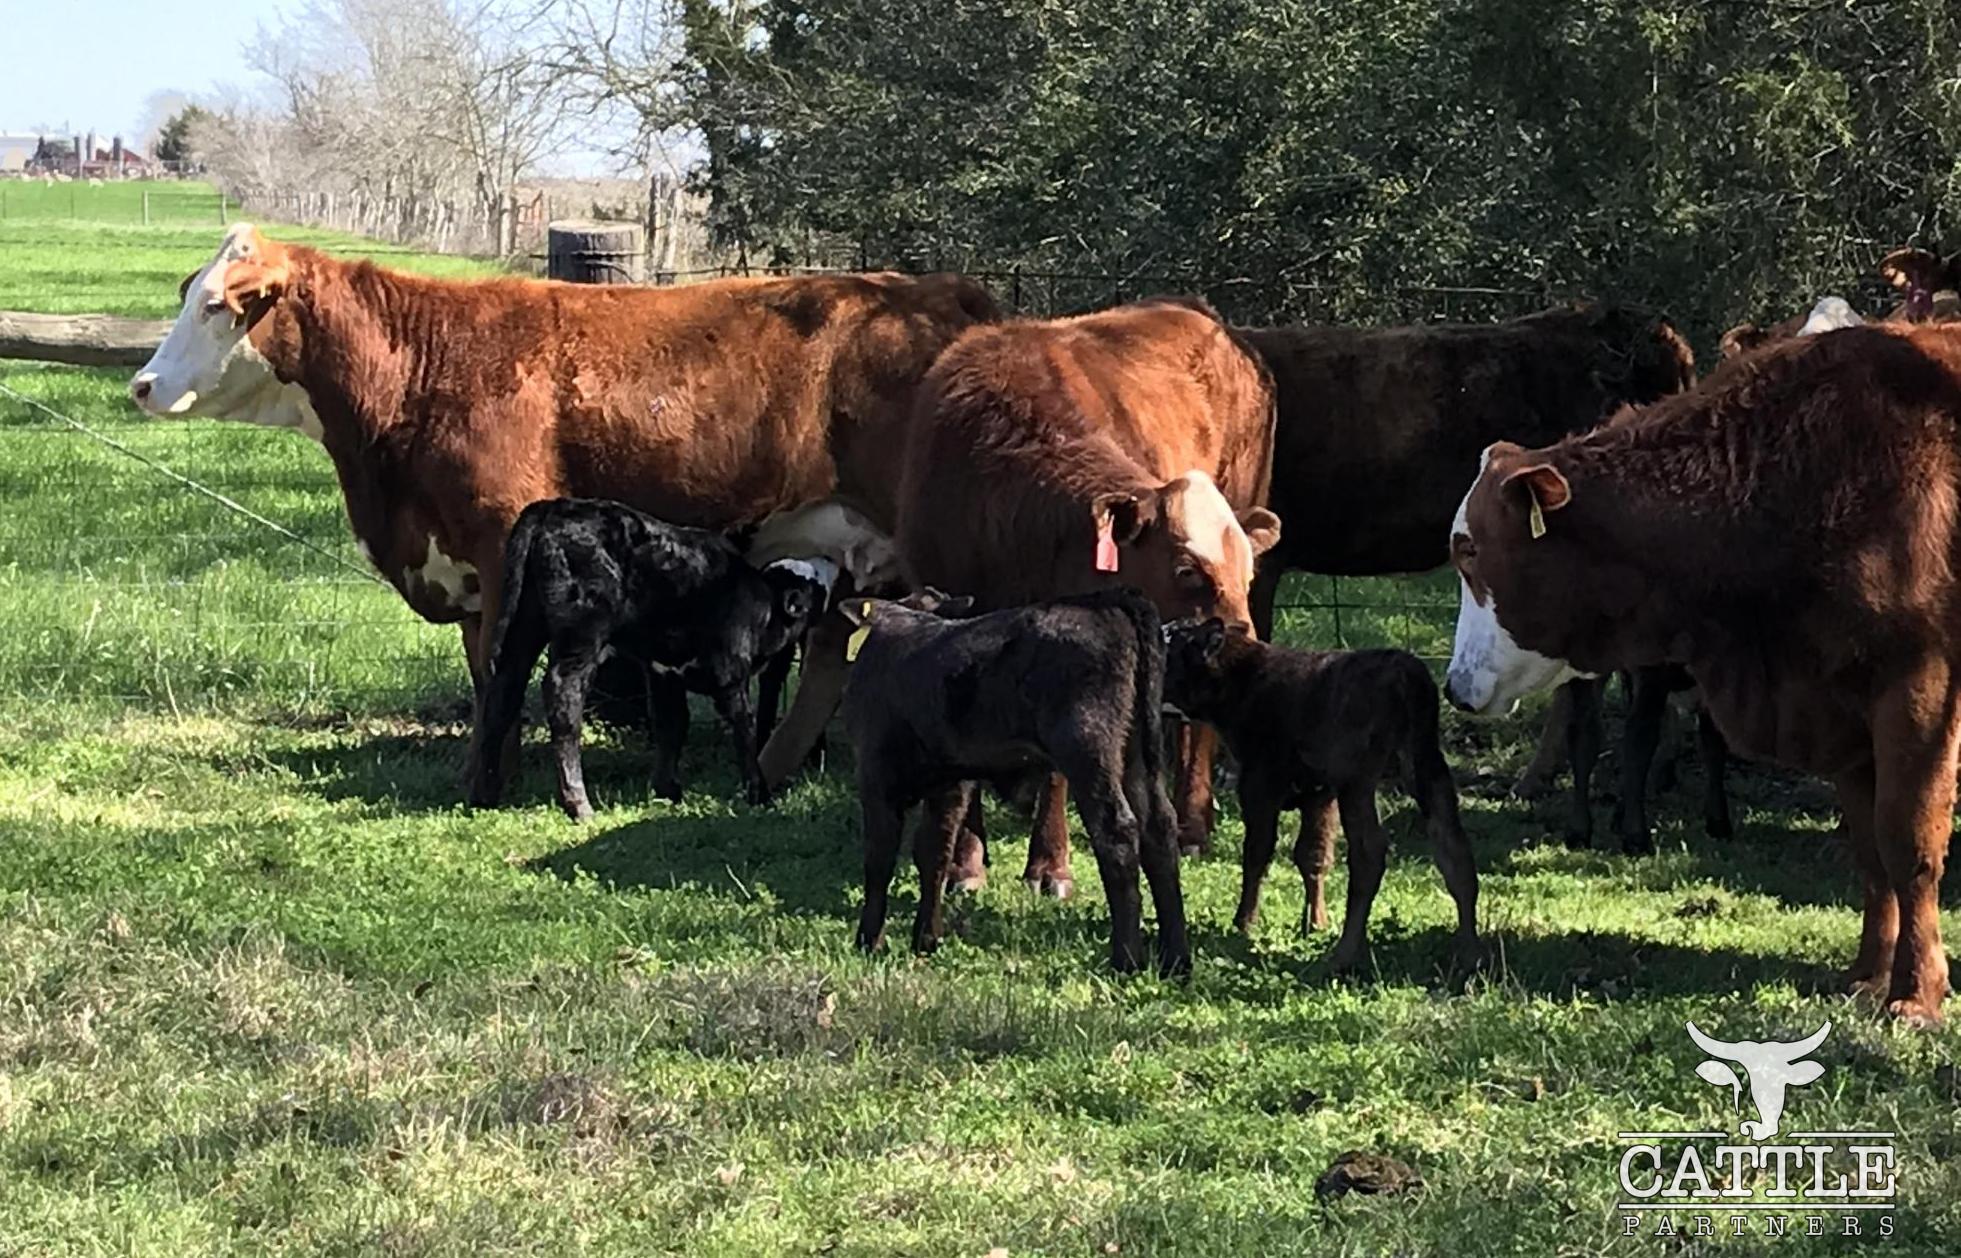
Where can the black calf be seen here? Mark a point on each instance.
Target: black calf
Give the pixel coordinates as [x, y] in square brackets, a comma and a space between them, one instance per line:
[1316, 731]
[587, 579]
[1074, 686]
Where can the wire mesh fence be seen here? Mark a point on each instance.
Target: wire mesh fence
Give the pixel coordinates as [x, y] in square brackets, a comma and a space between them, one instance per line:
[119, 582]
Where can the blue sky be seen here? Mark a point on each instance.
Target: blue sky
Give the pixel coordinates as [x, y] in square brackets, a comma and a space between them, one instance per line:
[85, 64]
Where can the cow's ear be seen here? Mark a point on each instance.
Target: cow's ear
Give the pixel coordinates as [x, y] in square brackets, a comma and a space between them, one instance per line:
[1740, 339]
[1128, 513]
[954, 606]
[1917, 274]
[856, 610]
[253, 284]
[1545, 483]
[1262, 529]
[797, 600]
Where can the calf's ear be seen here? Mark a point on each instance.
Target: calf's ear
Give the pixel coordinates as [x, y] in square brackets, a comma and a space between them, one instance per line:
[1211, 639]
[1262, 529]
[1545, 483]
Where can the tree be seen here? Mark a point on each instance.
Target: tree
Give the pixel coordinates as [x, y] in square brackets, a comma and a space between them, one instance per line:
[174, 137]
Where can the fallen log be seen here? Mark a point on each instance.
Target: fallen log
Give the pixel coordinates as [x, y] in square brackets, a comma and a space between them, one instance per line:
[80, 340]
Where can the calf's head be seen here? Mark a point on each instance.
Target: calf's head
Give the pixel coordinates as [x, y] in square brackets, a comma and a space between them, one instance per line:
[1195, 653]
[1185, 547]
[1509, 552]
[799, 591]
[213, 362]
[1930, 286]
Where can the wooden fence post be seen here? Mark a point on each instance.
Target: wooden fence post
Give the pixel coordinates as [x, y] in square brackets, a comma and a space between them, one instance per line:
[146, 207]
[222, 220]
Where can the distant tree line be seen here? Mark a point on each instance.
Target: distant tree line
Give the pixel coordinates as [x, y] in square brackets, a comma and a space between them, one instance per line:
[1721, 159]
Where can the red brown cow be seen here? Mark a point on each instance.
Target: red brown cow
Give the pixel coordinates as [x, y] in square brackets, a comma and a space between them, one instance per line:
[449, 406]
[1143, 433]
[1791, 532]
[1930, 292]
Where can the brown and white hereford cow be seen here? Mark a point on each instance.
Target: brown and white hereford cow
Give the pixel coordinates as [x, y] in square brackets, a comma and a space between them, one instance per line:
[1791, 532]
[1143, 433]
[449, 406]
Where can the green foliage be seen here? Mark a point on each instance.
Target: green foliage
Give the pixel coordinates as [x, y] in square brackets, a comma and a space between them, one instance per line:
[174, 140]
[1720, 160]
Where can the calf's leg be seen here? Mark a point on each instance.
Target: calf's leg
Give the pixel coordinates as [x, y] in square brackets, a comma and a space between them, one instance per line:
[884, 818]
[1116, 835]
[1259, 808]
[1158, 854]
[732, 704]
[1368, 856]
[1436, 799]
[500, 705]
[1314, 856]
[774, 675]
[667, 720]
[566, 680]
[1048, 846]
[1550, 757]
[932, 851]
[969, 868]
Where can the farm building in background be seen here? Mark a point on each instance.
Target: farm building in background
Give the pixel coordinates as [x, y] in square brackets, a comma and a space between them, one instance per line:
[84, 156]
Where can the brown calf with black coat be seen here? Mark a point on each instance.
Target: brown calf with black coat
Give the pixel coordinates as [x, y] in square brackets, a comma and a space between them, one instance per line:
[1311, 727]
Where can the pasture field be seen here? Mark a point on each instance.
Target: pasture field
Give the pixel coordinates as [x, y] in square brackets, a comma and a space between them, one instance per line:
[266, 987]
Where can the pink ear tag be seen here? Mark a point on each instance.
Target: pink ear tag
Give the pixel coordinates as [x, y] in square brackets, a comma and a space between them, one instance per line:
[1106, 547]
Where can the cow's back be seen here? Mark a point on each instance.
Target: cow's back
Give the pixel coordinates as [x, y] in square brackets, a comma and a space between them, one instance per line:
[1020, 426]
[1380, 429]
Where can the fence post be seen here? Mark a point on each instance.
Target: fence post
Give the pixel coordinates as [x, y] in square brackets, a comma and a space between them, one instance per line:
[71, 202]
[146, 207]
[1334, 601]
[222, 220]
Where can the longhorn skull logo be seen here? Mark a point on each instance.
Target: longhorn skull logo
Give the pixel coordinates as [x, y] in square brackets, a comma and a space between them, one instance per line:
[1771, 1067]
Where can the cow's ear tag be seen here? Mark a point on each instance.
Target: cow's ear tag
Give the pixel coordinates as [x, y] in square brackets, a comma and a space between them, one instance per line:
[1106, 546]
[856, 642]
[1538, 519]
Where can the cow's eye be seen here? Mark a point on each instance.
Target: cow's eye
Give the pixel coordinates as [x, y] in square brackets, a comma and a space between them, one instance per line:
[213, 307]
[1191, 577]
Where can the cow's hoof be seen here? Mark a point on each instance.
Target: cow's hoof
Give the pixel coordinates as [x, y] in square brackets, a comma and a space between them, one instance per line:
[1577, 840]
[485, 796]
[577, 809]
[1346, 958]
[1919, 1014]
[1719, 828]
[1175, 965]
[757, 796]
[1641, 844]
[670, 791]
[1468, 952]
[1191, 851]
[1530, 787]
[1053, 886]
[966, 883]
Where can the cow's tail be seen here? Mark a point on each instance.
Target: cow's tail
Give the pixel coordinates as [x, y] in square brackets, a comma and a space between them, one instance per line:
[517, 557]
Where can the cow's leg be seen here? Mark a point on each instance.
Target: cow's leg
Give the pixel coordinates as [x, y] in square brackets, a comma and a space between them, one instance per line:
[1197, 746]
[1550, 757]
[732, 704]
[770, 681]
[1914, 737]
[1048, 845]
[968, 872]
[500, 704]
[1714, 754]
[1582, 749]
[1647, 705]
[667, 720]
[885, 819]
[1314, 856]
[566, 680]
[1368, 856]
[1872, 970]
[932, 851]
[1259, 809]
[819, 689]
[1263, 593]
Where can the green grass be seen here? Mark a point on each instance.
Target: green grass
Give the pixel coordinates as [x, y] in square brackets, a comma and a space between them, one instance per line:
[265, 988]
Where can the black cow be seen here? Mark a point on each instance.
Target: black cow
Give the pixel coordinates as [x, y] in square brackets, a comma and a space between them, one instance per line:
[1311, 726]
[1071, 686]
[587, 579]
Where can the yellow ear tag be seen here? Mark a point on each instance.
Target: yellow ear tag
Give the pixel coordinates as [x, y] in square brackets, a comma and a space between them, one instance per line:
[1538, 519]
[856, 642]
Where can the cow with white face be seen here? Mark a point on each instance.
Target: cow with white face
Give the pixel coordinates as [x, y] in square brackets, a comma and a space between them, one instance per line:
[208, 366]
[1489, 671]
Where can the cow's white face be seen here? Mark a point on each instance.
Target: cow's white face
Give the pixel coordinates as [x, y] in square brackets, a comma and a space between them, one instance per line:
[207, 365]
[1489, 671]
